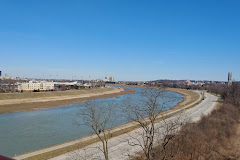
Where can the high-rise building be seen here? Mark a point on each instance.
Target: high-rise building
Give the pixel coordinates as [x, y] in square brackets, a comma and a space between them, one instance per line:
[0, 73]
[229, 78]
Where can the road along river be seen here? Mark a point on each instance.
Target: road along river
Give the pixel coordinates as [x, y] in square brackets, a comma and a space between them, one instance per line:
[27, 131]
[119, 147]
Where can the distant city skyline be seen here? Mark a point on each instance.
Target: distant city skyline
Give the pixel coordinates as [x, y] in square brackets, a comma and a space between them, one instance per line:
[129, 40]
[57, 77]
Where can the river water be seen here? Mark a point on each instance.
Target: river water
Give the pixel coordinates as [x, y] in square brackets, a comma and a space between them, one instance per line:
[27, 131]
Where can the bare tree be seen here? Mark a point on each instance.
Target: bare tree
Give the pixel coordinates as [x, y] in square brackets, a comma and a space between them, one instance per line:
[170, 127]
[146, 113]
[100, 118]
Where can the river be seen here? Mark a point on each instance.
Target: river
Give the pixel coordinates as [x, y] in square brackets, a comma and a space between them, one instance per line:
[27, 131]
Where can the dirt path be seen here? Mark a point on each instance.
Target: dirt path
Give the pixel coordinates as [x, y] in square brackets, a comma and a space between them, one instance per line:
[37, 101]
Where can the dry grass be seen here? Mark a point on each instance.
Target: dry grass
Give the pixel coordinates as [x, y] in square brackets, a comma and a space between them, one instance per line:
[38, 105]
[63, 150]
[211, 138]
[189, 96]
[233, 150]
[5, 96]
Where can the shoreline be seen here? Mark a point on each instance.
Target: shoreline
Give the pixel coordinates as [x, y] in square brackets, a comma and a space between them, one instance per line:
[187, 99]
[54, 102]
[88, 139]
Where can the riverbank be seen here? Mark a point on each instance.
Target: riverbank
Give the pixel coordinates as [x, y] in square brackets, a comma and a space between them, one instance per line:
[188, 95]
[66, 147]
[20, 102]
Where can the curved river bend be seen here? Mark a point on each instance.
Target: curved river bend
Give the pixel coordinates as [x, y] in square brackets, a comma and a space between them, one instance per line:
[27, 131]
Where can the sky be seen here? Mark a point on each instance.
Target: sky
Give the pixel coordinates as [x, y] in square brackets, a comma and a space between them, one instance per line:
[137, 40]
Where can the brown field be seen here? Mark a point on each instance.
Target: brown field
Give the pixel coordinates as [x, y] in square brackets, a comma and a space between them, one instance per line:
[19, 102]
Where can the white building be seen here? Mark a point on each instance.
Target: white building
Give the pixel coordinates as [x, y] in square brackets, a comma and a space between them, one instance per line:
[66, 83]
[38, 86]
[109, 79]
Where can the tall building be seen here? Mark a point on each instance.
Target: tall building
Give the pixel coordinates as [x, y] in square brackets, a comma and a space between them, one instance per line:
[0, 73]
[229, 78]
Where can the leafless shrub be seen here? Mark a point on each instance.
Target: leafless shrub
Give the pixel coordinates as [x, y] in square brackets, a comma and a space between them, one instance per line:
[146, 114]
[207, 139]
[100, 118]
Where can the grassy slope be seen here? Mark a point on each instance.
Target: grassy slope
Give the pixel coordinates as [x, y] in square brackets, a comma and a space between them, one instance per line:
[5, 96]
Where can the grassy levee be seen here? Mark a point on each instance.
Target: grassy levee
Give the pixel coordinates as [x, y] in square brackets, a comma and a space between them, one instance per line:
[63, 150]
[5, 96]
[189, 97]
[21, 102]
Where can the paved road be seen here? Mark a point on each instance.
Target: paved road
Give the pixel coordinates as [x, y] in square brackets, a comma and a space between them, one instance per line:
[119, 147]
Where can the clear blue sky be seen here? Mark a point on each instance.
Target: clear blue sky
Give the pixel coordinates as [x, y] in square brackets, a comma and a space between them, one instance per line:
[127, 39]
